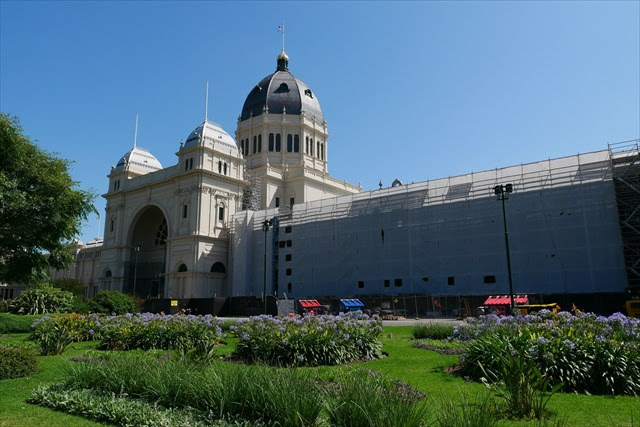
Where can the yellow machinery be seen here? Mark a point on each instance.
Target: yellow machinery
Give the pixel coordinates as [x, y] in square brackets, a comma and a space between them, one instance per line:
[633, 308]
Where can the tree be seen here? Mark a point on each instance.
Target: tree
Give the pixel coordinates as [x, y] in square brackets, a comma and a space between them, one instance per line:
[74, 286]
[40, 211]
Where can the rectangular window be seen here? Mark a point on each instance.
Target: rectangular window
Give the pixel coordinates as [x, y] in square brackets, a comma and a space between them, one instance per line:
[289, 143]
[291, 202]
[191, 163]
[287, 257]
[184, 211]
[112, 225]
[296, 143]
[360, 284]
[398, 282]
[282, 244]
[387, 283]
[277, 202]
[278, 142]
[259, 143]
[221, 213]
[270, 142]
[287, 229]
[451, 281]
[288, 272]
[489, 279]
[289, 287]
[255, 144]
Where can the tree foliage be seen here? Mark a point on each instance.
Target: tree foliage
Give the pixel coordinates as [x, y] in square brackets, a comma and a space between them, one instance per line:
[40, 210]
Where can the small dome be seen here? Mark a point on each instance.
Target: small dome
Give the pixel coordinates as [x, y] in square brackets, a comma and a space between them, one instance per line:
[214, 133]
[279, 91]
[139, 160]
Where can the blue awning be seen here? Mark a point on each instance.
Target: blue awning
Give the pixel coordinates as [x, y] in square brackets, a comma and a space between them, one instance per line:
[351, 303]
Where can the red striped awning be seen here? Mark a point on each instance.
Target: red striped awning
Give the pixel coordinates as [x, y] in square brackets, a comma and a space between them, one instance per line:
[506, 300]
[309, 303]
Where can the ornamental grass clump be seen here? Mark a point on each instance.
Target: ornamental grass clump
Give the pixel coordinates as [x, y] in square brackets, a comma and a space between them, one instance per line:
[255, 393]
[586, 353]
[309, 340]
[196, 335]
[432, 330]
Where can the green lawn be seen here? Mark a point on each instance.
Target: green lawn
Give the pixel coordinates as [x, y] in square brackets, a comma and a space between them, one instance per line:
[423, 369]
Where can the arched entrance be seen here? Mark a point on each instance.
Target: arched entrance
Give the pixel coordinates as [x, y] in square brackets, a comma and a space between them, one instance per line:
[218, 279]
[148, 254]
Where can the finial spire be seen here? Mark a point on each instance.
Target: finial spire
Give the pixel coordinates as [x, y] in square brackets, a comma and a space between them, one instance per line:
[283, 59]
[206, 102]
[135, 135]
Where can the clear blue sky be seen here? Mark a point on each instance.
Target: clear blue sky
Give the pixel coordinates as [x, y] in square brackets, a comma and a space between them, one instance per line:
[411, 90]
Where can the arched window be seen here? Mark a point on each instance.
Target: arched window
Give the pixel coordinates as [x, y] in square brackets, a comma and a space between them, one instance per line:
[289, 143]
[182, 268]
[259, 143]
[218, 267]
[270, 142]
[278, 142]
[296, 143]
[306, 147]
[322, 151]
[318, 149]
[311, 145]
[255, 144]
[225, 168]
[107, 273]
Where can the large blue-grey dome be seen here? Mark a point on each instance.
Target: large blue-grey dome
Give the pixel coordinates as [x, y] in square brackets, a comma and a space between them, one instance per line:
[281, 90]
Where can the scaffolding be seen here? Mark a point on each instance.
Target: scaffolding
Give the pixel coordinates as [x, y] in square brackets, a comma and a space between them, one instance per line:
[251, 193]
[537, 176]
[625, 164]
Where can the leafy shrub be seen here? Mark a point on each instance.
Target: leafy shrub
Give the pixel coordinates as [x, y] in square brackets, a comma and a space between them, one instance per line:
[17, 362]
[109, 302]
[74, 286]
[362, 399]
[5, 305]
[432, 330]
[80, 306]
[310, 340]
[42, 300]
[52, 337]
[518, 381]
[585, 353]
[15, 323]
[195, 336]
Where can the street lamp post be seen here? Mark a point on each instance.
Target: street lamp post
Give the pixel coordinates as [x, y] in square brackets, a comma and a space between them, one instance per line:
[136, 250]
[265, 227]
[502, 192]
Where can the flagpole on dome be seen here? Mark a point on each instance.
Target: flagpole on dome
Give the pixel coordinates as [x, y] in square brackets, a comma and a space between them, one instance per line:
[206, 102]
[135, 133]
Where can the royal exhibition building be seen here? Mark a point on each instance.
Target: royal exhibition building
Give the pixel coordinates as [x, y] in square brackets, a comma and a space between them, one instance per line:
[258, 214]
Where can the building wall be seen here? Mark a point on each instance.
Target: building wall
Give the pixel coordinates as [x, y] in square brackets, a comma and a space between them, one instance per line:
[447, 237]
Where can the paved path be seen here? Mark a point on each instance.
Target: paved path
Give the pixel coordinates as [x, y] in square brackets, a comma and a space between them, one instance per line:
[412, 322]
[405, 322]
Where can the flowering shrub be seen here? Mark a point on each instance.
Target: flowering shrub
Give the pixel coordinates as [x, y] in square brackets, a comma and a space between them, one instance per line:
[158, 331]
[587, 353]
[309, 340]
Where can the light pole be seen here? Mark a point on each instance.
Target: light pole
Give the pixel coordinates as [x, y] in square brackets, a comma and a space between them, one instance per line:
[265, 227]
[502, 192]
[136, 250]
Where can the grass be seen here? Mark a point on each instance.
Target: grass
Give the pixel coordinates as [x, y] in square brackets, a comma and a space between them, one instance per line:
[422, 369]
